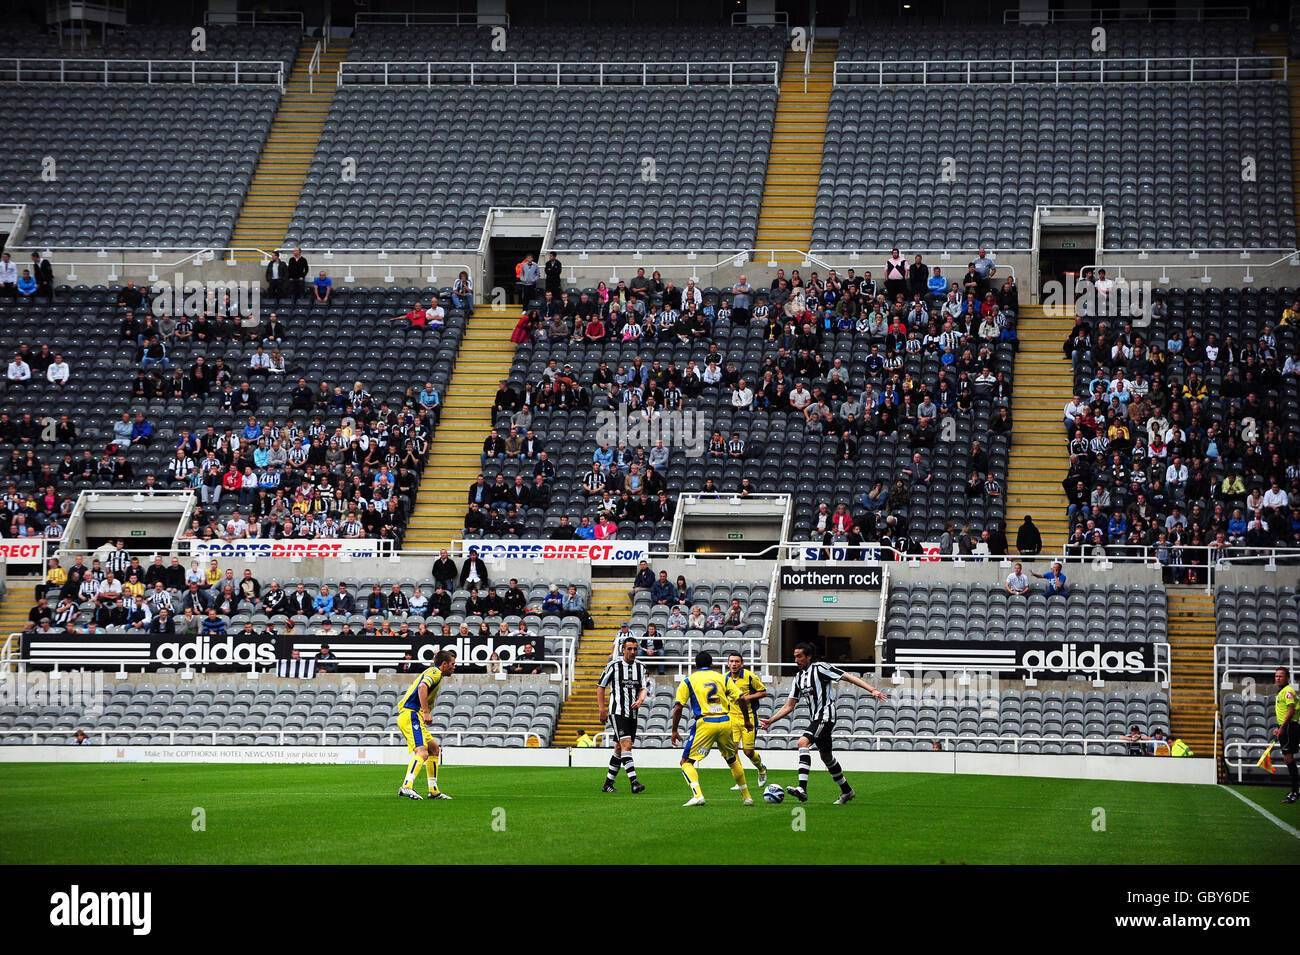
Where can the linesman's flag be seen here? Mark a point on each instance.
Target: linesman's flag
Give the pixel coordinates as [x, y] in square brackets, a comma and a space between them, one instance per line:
[1265, 763]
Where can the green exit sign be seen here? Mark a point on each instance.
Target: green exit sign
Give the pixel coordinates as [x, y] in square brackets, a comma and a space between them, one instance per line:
[1069, 245]
[831, 599]
[735, 536]
[138, 533]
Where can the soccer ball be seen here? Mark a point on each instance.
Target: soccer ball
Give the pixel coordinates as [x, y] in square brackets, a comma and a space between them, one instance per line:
[773, 793]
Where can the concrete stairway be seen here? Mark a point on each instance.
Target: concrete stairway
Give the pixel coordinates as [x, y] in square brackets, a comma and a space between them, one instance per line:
[1193, 696]
[286, 157]
[486, 354]
[794, 163]
[1039, 462]
[580, 712]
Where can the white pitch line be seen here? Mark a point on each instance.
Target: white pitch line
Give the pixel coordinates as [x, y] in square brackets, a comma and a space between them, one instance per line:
[1290, 830]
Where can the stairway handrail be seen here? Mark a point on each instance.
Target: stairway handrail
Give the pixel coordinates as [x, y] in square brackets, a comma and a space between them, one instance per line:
[313, 67]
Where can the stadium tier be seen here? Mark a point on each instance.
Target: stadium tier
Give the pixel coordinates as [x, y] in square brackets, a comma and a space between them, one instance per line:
[1162, 445]
[1251, 622]
[754, 381]
[908, 154]
[314, 362]
[694, 178]
[1114, 614]
[236, 712]
[267, 42]
[141, 191]
[1045, 42]
[568, 42]
[1025, 721]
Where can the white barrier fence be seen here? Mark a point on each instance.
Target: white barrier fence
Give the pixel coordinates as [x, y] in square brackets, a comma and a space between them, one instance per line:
[189, 72]
[1184, 69]
[559, 73]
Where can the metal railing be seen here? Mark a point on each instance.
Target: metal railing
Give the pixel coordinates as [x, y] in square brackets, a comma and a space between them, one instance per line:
[1253, 750]
[1225, 669]
[1185, 69]
[778, 19]
[1240, 268]
[388, 737]
[1092, 745]
[313, 65]
[125, 662]
[1123, 14]
[433, 19]
[76, 70]
[254, 18]
[551, 73]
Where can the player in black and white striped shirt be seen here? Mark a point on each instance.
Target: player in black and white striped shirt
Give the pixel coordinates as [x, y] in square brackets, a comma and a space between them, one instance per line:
[816, 682]
[625, 680]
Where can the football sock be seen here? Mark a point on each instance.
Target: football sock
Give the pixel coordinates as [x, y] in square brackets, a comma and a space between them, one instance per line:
[692, 779]
[837, 774]
[738, 774]
[431, 769]
[757, 762]
[1295, 775]
[805, 765]
[614, 765]
[411, 770]
[629, 767]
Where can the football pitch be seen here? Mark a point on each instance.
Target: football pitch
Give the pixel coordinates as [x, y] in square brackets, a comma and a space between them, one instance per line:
[216, 814]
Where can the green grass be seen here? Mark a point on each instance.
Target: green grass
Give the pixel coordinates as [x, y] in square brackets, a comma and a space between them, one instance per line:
[143, 813]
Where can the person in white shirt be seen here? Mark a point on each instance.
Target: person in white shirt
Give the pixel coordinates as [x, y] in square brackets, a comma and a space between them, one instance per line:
[435, 315]
[260, 363]
[1017, 583]
[1275, 497]
[800, 397]
[8, 278]
[58, 371]
[712, 374]
[1073, 408]
[19, 371]
[742, 397]
[1176, 473]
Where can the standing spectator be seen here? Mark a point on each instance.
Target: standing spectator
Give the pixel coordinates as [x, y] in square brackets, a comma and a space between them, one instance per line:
[276, 273]
[1029, 542]
[528, 276]
[8, 278]
[554, 272]
[43, 273]
[296, 271]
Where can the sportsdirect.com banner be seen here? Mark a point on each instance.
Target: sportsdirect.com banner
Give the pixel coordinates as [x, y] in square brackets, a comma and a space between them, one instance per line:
[333, 547]
[109, 651]
[598, 552]
[1115, 661]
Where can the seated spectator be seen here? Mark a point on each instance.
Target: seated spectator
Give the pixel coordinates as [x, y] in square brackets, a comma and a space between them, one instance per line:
[1055, 578]
[1017, 584]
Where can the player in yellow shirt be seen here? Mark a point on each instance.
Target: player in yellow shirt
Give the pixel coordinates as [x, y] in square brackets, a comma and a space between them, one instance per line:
[413, 720]
[751, 691]
[706, 693]
[1288, 728]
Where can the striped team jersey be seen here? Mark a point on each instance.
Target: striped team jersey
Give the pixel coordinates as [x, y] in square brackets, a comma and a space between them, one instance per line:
[817, 683]
[624, 681]
[744, 684]
[707, 696]
[432, 678]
